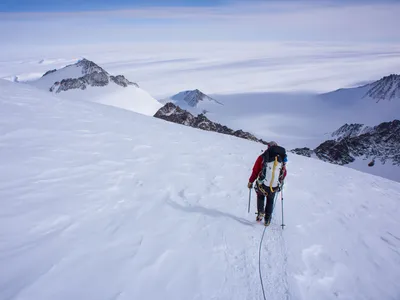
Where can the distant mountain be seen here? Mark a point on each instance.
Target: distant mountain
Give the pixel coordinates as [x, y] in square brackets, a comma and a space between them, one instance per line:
[194, 101]
[369, 104]
[387, 88]
[379, 144]
[193, 98]
[349, 131]
[88, 81]
[173, 113]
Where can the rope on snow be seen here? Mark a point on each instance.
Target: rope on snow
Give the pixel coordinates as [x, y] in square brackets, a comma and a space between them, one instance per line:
[259, 254]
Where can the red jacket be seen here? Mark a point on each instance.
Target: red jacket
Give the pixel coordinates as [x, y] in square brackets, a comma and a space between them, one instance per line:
[258, 165]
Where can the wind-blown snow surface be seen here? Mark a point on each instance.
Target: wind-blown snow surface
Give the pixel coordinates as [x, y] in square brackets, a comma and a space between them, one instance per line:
[102, 203]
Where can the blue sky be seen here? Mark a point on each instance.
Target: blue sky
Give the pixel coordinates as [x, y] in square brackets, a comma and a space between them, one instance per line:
[79, 5]
[75, 5]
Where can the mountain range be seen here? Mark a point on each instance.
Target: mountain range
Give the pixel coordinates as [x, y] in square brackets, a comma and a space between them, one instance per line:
[374, 102]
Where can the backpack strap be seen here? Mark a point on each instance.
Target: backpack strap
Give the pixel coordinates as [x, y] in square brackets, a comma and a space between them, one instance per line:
[273, 174]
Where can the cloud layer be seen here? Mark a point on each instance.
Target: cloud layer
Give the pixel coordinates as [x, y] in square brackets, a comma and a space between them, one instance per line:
[240, 21]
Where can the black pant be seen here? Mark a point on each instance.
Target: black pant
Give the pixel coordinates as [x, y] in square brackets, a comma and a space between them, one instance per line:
[269, 207]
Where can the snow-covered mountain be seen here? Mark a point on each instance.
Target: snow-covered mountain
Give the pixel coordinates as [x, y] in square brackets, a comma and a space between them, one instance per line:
[194, 100]
[356, 143]
[350, 130]
[173, 113]
[103, 203]
[387, 88]
[86, 80]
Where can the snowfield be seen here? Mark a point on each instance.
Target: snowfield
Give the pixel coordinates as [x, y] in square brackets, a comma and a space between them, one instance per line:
[102, 203]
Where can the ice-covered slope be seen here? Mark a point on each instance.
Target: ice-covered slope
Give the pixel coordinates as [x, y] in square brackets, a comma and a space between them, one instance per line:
[88, 81]
[102, 203]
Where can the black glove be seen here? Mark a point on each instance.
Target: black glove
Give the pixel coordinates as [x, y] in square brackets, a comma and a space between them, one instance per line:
[250, 185]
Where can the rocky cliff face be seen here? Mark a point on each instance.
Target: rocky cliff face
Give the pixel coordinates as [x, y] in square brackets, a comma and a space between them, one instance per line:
[381, 143]
[172, 113]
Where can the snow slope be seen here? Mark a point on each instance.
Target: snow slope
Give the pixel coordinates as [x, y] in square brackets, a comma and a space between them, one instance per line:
[102, 203]
[129, 98]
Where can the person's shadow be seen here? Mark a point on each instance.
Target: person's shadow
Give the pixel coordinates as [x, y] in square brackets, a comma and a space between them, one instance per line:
[213, 213]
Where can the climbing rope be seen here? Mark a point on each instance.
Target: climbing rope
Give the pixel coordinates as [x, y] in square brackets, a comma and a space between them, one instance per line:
[259, 262]
[259, 253]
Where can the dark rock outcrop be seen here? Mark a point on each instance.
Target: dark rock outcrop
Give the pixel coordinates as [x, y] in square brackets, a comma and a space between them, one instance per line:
[303, 151]
[172, 113]
[49, 72]
[122, 81]
[381, 142]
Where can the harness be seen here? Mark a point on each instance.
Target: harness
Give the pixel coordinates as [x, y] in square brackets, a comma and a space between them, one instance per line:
[278, 154]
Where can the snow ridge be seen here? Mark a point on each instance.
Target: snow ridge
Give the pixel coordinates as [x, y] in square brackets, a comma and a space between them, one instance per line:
[387, 88]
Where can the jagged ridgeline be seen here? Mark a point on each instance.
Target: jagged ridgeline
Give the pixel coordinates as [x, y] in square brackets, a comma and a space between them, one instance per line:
[173, 113]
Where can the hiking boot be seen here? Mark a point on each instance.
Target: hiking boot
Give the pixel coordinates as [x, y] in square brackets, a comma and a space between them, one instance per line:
[259, 217]
[267, 220]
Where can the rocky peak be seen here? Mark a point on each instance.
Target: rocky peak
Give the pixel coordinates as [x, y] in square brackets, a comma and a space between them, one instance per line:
[193, 98]
[89, 67]
[93, 75]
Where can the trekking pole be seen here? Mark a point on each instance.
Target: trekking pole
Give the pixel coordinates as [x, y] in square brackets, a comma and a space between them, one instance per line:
[283, 224]
[248, 208]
